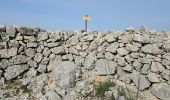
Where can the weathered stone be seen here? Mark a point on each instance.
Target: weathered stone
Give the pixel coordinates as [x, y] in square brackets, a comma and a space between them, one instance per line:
[145, 69]
[140, 80]
[45, 61]
[26, 31]
[110, 38]
[65, 74]
[68, 57]
[88, 37]
[104, 67]
[4, 63]
[151, 49]
[31, 73]
[79, 60]
[128, 68]
[109, 56]
[141, 39]
[32, 63]
[30, 52]
[72, 50]
[52, 95]
[161, 91]
[42, 36]
[126, 38]
[58, 50]
[11, 31]
[122, 51]
[7, 53]
[38, 57]
[93, 46]
[2, 28]
[166, 46]
[54, 62]
[166, 74]
[131, 47]
[20, 59]
[89, 61]
[166, 63]
[166, 56]
[74, 40]
[42, 68]
[15, 70]
[46, 52]
[30, 38]
[112, 47]
[153, 77]
[1, 73]
[157, 67]
[40, 48]
[32, 44]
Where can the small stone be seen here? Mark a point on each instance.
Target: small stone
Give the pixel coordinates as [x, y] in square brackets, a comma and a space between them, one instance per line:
[68, 57]
[30, 52]
[1, 72]
[128, 68]
[42, 36]
[166, 56]
[32, 64]
[110, 38]
[32, 45]
[11, 31]
[131, 47]
[122, 51]
[42, 68]
[65, 78]
[46, 52]
[89, 61]
[31, 73]
[15, 70]
[157, 67]
[109, 56]
[58, 50]
[151, 49]
[72, 50]
[45, 61]
[4, 63]
[145, 69]
[143, 81]
[54, 62]
[40, 48]
[112, 47]
[153, 77]
[104, 67]
[166, 74]
[20, 59]
[7, 53]
[161, 91]
[38, 57]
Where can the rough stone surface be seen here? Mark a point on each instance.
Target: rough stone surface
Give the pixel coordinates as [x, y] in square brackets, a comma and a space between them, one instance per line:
[139, 80]
[122, 51]
[6, 53]
[58, 50]
[151, 49]
[65, 74]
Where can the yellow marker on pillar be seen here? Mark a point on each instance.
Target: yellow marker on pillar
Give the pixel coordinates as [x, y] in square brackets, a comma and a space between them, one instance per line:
[86, 18]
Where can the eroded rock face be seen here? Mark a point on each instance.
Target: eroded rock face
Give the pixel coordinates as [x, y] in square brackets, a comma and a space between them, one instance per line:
[65, 74]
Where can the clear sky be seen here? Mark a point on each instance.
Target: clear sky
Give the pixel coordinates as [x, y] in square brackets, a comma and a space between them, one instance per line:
[67, 14]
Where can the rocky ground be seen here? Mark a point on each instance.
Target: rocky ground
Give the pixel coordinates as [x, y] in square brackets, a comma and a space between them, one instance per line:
[74, 65]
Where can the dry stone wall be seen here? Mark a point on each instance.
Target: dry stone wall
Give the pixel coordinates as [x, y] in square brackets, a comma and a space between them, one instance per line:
[64, 65]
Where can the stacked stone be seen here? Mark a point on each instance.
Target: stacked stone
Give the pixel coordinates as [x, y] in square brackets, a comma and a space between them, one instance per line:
[139, 58]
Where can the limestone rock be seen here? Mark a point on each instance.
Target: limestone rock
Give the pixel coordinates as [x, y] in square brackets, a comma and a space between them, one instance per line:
[166, 56]
[89, 61]
[161, 91]
[139, 80]
[68, 57]
[15, 70]
[73, 51]
[110, 38]
[38, 57]
[42, 36]
[65, 74]
[20, 59]
[42, 68]
[151, 49]
[52, 95]
[112, 47]
[32, 63]
[122, 51]
[54, 62]
[30, 52]
[58, 50]
[153, 77]
[157, 67]
[11, 31]
[7, 53]
[4, 63]
[109, 56]
[128, 68]
[104, 67]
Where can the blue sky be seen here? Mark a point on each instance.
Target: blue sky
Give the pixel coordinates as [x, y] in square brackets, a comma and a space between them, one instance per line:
[105, 14]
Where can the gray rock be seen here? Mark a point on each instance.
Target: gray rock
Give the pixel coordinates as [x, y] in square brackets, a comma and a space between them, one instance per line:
[42, 36]
[145, 69]
[88, 37]
[126, 38]
[153, 77]
[42, 68]
[7, 53]
[38, 57]
[68, 57]
[140, 80]
[58, 50]
[151, 49]
[74, 40]
[32, 45]
[166, 63]
[15, 70]
[166, 74]
[53, 44]
[72, 50]
[52, 95]
[93, 46]
[40, 48]
[4, 63]
[1, 72]
[122, 51]
[26, 31]
[30, 52]
[161, 91]
[45, 61]
[89, 61]
[166, 46]
[104, 67]
[11, 31]
[112, 47]
[20, 59]
[141, 39]
[131, 47]
[30, 38]
[110, 38]
[79, 60]
[2, 28]
[54, 62]
[32, 63]
[157, 67]
[166, 56]
[109, 56]
[65, 78]
[31, 73]
[46, 52]
[128, 68]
